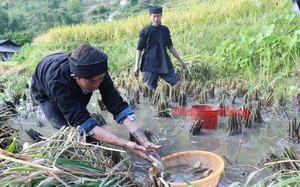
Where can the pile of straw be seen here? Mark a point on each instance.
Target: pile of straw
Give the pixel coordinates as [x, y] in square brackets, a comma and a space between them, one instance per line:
[64, 159]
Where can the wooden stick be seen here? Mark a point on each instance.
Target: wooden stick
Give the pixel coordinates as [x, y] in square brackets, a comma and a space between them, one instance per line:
[238, 151]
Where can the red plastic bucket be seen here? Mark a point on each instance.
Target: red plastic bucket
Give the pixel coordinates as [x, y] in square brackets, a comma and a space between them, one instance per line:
[208, 113]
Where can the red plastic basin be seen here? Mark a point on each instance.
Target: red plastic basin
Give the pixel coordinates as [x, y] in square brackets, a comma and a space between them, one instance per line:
[208, 113]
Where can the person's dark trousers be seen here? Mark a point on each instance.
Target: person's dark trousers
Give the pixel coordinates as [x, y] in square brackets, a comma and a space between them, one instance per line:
[53, 114]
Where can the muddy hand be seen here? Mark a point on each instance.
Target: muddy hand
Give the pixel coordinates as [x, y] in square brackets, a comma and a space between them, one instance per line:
[137, 150]
[183, 65]
[136, 72]
[140, 136]
[151, 147]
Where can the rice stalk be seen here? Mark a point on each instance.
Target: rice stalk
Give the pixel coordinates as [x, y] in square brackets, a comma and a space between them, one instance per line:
[38, 166]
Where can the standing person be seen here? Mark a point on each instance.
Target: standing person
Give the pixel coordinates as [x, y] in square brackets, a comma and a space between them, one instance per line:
[153, 42]
[63, 84]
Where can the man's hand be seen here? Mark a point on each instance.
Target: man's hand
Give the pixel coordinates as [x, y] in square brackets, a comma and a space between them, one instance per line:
[151, 147]
[136, 72]
[137, 150]
[139, 135]
[183, 65]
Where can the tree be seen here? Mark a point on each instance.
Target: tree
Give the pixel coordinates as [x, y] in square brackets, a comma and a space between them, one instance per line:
[3, 20]
[74, 9]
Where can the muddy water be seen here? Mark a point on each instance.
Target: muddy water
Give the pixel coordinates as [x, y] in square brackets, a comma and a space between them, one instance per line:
[173, 135]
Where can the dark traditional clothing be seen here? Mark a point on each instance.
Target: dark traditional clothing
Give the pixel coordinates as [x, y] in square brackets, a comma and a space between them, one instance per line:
[155, 10]
[154, 41]
[52, 82]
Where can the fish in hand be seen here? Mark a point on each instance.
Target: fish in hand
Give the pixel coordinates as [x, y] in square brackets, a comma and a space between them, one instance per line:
[159, 165]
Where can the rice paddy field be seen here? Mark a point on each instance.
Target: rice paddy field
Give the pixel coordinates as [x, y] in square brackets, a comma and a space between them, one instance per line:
[240, 56]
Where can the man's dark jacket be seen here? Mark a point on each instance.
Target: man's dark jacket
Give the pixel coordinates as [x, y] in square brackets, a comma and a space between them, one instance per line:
[52, 81]
[154, 41]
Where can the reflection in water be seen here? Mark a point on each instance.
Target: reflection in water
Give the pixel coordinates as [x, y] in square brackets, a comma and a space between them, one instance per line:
[173, 135]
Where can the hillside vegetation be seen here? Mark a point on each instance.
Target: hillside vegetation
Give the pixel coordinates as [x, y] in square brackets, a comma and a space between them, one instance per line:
[21, 21]
[253, 41]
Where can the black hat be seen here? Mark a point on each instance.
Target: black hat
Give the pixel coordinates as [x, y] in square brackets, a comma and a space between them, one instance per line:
[88, 70]
[296, 8]
[155, 10]
[88, 61]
